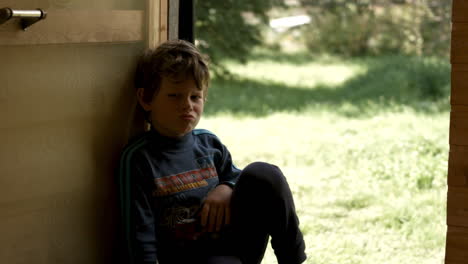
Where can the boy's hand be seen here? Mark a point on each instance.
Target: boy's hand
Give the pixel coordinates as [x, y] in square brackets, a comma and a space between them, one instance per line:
[216, 210]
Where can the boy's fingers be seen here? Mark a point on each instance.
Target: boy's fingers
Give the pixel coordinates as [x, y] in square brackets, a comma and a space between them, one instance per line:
[227, 215]
[204, 214]
[219, 219]
[212, 220]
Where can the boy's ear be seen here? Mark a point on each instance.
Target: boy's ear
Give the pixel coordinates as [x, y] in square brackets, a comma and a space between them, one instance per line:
[140, 96]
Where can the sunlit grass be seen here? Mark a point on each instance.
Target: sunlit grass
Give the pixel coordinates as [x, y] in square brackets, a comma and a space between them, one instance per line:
[369, 188]
[309, 74]
[354, 88]
[378, 182]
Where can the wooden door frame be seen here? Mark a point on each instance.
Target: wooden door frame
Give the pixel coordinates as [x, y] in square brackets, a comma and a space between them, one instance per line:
[457, 181]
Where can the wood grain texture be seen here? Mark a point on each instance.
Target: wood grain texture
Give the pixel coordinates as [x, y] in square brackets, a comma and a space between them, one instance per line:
[65, 113]
[77, 26]
[67, 81]
[459, 10]
[152, 23]
[53, 227]
[459, 43]
[62, 124]
[457, 206]
[459, 90]
[456, 251]
[456, 245]
[75, 4]
[458, 166]
[459, 125]
[157, 24]
[163, 22]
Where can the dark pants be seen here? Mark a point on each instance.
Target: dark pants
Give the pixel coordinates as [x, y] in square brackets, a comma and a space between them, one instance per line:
[262, 205]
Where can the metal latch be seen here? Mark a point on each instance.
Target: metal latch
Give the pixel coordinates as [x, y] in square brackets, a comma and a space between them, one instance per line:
[28, 17]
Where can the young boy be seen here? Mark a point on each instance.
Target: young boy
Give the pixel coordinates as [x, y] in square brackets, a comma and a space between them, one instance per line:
[182, 199]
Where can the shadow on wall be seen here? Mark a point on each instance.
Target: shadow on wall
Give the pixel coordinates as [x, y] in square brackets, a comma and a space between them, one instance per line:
[391, 83]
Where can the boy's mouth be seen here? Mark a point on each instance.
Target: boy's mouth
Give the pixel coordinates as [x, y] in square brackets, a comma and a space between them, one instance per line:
[187, 117]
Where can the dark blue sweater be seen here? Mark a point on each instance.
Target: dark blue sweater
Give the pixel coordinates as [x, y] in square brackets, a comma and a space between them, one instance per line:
[163, 182]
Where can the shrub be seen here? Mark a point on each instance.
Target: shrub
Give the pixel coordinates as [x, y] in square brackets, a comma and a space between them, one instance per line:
[357, 28]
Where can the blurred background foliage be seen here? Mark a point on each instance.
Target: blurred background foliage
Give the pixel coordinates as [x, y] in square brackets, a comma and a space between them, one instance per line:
[374, 27]
[232, 28]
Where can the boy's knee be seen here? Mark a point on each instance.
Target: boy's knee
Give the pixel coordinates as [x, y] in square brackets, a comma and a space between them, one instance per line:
[265, 173]
[223, 260]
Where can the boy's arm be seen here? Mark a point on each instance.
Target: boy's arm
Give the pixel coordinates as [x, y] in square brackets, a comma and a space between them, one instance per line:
[228, 173]
[137, 213]
[144, 227]
[216, 211]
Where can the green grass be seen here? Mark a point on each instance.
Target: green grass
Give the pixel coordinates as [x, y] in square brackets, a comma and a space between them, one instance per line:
[363, 143]
[356, 88]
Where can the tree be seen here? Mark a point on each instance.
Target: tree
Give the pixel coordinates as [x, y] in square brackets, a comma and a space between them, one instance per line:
[436, 27]
[229, 29]
[366, 27]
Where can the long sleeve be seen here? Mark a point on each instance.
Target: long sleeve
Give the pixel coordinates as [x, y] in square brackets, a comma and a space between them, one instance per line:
[227, 172]
[144, 240]
[137, 217]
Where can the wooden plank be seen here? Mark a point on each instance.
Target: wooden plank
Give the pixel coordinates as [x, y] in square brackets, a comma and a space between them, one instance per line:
[457, 211]
[459, 93]
[457, 206]
[459, 10]
[163, 22]
[455, 262]
[157, 29]
[458, 166]
[459, 43]
[152, 22]
[64, 115]
[76, 26]
[459, 126]
[39, 224]
[456, 245]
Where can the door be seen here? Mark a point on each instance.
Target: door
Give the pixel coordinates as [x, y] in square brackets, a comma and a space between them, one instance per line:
[66, 101]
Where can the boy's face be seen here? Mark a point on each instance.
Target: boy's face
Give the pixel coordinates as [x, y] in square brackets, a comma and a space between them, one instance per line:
[176, 108]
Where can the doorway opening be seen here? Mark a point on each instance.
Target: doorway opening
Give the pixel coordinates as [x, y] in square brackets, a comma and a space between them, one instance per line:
[351, 100]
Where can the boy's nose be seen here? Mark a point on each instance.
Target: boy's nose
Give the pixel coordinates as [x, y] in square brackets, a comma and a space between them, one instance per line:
[186, 104]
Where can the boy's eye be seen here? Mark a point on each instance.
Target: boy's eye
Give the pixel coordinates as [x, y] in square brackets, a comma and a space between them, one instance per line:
[196, 97]
[172, 95]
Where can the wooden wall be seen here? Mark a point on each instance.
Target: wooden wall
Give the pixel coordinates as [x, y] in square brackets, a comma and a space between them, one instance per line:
[66, 102]
[457, 198]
